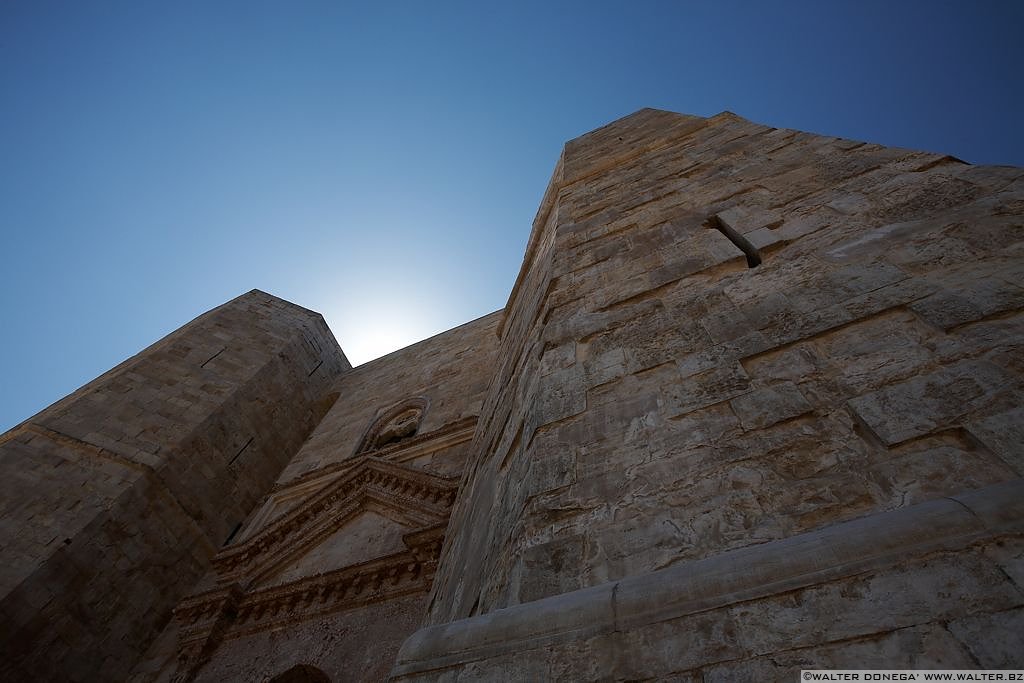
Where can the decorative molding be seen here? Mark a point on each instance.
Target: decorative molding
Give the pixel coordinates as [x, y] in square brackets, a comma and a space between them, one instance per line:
[437, 440]
[228, 612]
[240, 605]
[378, 580]
[423, 499]
[861, 546]
[203, 621]
[235, 609]
[416, 405]
[414, 447]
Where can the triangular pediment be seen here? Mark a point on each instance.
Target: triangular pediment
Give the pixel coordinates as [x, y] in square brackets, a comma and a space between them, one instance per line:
[368, 535]
[410, 498]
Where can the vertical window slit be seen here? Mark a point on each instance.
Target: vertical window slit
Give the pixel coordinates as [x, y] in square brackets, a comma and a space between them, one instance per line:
[233, 533]
[213, 356]
[232, 461]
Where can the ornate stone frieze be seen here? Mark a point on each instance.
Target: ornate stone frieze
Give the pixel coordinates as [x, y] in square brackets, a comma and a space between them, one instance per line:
[410, 448]
[248, 598]
[203, 621]
[207, 618]
[420, 498]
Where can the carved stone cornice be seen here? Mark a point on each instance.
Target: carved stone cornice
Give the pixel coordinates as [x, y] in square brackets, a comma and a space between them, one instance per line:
[386, 578]
[199, 614]
[417, 446]
[243, 604]
[422, 499]
[208, 618]
[203, 621]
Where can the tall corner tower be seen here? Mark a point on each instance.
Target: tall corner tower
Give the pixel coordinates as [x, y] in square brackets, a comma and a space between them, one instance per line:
[757, 406]
[114, 499]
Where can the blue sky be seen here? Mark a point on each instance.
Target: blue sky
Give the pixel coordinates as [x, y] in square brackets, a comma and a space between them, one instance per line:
[382, 164]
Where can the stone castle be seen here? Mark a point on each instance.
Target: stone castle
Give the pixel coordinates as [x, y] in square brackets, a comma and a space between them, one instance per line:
[754, 405]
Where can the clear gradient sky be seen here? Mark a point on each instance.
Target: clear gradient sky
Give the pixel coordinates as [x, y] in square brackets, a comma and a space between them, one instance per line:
[382, 164]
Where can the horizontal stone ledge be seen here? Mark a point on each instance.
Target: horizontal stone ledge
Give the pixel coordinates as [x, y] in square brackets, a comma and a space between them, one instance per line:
[841, 550]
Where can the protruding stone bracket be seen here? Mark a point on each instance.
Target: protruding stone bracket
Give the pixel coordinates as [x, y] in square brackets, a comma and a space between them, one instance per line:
[740, 242]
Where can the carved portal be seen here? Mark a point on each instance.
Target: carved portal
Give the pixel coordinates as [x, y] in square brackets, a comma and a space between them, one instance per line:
[302, 673]
[257, 587]
[367, 530]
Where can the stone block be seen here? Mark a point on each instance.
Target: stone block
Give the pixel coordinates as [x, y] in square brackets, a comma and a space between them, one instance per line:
[944, 588]
[551, 568]
[939, 465]
[927, 403]
[679, 646]
[557, 358]
[1003, 434]
[706, 388]
[724, 326]
[551, 471]
[747, 219]
[605, 367]
[835, 286]
[562, 394]
[1008, 555]
[972, 301]
[794, 363]
[995, 640]
[850, 204]
[917, 647]
[766, 406]
[700, 428]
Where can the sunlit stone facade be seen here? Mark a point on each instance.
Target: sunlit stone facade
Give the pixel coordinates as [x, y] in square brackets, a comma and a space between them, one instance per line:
[753, 405]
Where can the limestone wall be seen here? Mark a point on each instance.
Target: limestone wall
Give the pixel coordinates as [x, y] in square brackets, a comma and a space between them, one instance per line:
[932, 586]
[725, 335]
[755, 403]
[352, 645]
[357, 644]
[450, 371]
[114, 499]
[333, 570]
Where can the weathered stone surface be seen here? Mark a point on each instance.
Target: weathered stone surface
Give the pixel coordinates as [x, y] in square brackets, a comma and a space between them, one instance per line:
[867, 581]
[764, 407]
[754, 405]
[867, 363]
[916, 647]
[930, 402]
[994, 640]
[115, 498]
[332, 570]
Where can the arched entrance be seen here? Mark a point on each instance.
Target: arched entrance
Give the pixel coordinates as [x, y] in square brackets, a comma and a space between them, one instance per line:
[301, 673]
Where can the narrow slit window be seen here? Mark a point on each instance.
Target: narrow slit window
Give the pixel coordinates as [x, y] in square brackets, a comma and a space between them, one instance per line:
[231, 536]
[741, 242]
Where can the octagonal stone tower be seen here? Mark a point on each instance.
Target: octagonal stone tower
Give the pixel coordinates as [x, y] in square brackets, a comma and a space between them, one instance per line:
[115, 498]
[758, 405]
